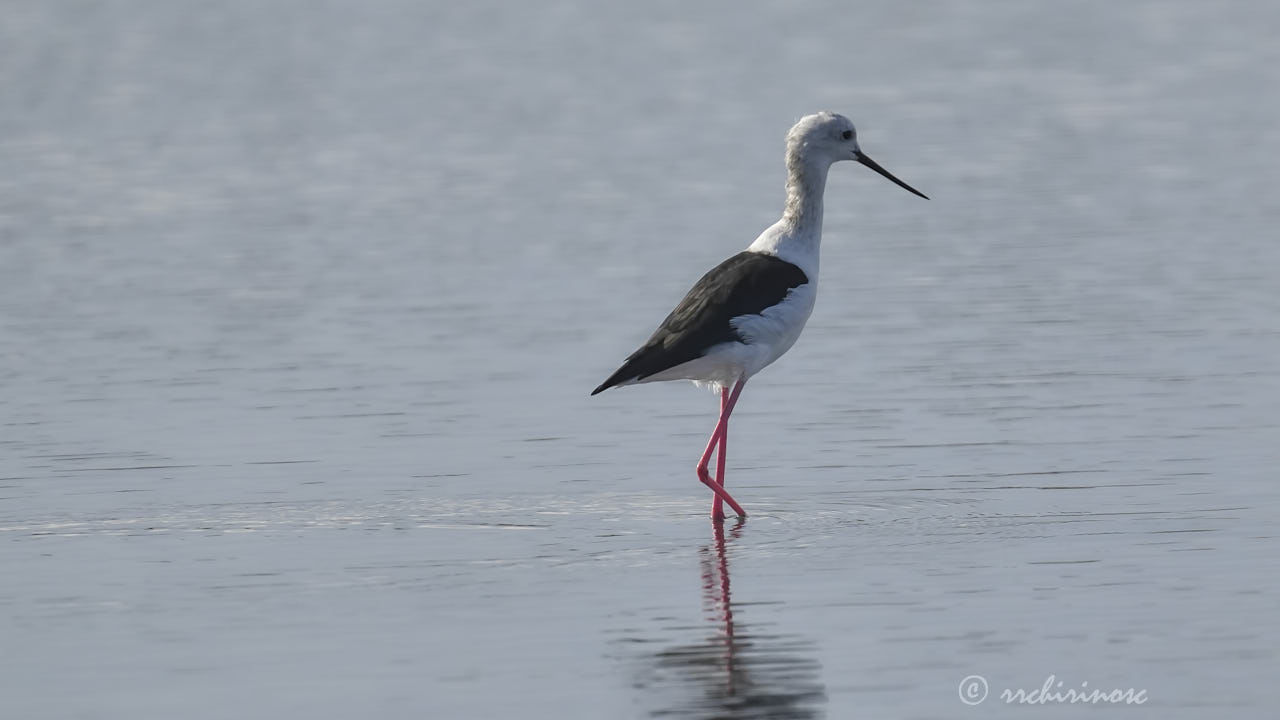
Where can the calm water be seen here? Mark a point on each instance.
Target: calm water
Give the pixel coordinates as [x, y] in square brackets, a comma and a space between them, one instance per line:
[300, 304]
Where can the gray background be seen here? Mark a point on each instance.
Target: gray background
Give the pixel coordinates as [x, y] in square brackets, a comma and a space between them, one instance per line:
[300, 303]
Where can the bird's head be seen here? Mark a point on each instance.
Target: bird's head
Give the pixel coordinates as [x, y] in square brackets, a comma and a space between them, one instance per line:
[830, 137]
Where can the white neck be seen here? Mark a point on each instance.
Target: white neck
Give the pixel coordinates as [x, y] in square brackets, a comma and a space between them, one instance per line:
[797, 236]
[806, 183]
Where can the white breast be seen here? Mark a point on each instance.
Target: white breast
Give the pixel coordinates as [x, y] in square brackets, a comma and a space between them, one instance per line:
[773, 332]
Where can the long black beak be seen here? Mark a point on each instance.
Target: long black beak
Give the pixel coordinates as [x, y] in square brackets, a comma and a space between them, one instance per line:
[862, 158]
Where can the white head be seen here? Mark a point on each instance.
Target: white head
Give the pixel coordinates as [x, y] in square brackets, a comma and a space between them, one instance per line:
[828, 138]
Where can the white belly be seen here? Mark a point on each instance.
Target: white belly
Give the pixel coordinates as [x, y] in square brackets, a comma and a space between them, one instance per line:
[765, 338]
[773, 332]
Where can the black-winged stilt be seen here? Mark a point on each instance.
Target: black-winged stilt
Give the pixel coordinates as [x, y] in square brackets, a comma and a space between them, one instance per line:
[748, 310]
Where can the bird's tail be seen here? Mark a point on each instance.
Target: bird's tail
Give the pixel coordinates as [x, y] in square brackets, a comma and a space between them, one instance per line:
[642, 363]
[619, 377]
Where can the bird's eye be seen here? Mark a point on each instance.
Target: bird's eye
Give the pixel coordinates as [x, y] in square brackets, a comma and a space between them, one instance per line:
[847, 134]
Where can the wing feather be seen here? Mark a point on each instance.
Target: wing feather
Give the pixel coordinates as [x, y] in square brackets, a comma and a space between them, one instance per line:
[746, 284]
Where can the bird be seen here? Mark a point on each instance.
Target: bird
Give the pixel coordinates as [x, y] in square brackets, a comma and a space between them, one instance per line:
[747, 311]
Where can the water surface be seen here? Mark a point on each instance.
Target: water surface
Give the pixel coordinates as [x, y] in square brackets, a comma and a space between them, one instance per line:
[300, 305]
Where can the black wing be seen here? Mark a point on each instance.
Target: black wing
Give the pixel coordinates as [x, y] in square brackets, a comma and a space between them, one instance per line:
[746, 284]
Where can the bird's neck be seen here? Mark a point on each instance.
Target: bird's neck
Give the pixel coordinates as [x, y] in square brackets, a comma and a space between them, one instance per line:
[806, 182]
[797, 236]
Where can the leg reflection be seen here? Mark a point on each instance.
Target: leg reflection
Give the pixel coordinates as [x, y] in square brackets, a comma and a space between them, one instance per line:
[734, 672]
[715, 590]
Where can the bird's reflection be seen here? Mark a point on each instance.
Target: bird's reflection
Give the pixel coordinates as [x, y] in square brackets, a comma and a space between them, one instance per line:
[734, 672]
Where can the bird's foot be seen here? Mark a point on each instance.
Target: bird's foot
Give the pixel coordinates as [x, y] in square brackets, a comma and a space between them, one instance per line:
[721, 493]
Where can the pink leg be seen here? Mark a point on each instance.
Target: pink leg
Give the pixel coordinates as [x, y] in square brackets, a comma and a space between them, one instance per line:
[716, 436]
[717, 506]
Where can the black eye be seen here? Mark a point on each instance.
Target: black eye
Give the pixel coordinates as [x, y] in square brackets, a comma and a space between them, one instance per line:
[847, 134]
